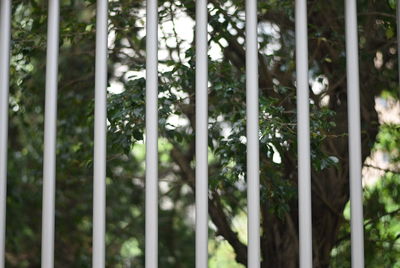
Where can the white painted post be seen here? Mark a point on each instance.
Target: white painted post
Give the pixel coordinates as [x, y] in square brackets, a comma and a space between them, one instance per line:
[353, 99]
[201, 135]
[151, 232]
[5, 32]
[303, 136]
[253, 165]
[100, 134]
[50, 135]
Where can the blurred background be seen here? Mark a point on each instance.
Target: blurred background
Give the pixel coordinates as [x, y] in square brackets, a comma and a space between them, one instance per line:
[380, 111]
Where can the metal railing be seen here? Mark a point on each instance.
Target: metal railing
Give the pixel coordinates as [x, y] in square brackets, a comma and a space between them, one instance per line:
[151, 231]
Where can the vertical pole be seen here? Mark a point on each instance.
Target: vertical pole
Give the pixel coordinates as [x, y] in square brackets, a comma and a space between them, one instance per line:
[5, 31]
[50, 135]
[100, 133]
[151, 229]
[253, 165]
[303, 136]
[353, 99]
[201, 135]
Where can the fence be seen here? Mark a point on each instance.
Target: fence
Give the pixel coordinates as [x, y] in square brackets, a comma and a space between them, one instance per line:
[99, 201]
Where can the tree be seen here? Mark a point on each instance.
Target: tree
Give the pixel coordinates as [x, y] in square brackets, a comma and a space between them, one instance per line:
[125, 168]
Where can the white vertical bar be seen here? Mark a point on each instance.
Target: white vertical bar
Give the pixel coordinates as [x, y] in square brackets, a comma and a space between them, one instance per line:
[303, 136]
[353, 99]
[151, 229]
[201, 135]
[5, 31]
[100, 133]
[253, 165]
[50, 135]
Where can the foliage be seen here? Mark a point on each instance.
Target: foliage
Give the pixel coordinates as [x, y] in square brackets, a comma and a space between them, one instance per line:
[227, 142]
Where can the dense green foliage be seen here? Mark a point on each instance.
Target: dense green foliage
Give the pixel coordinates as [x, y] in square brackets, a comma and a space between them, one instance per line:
[227, 144]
